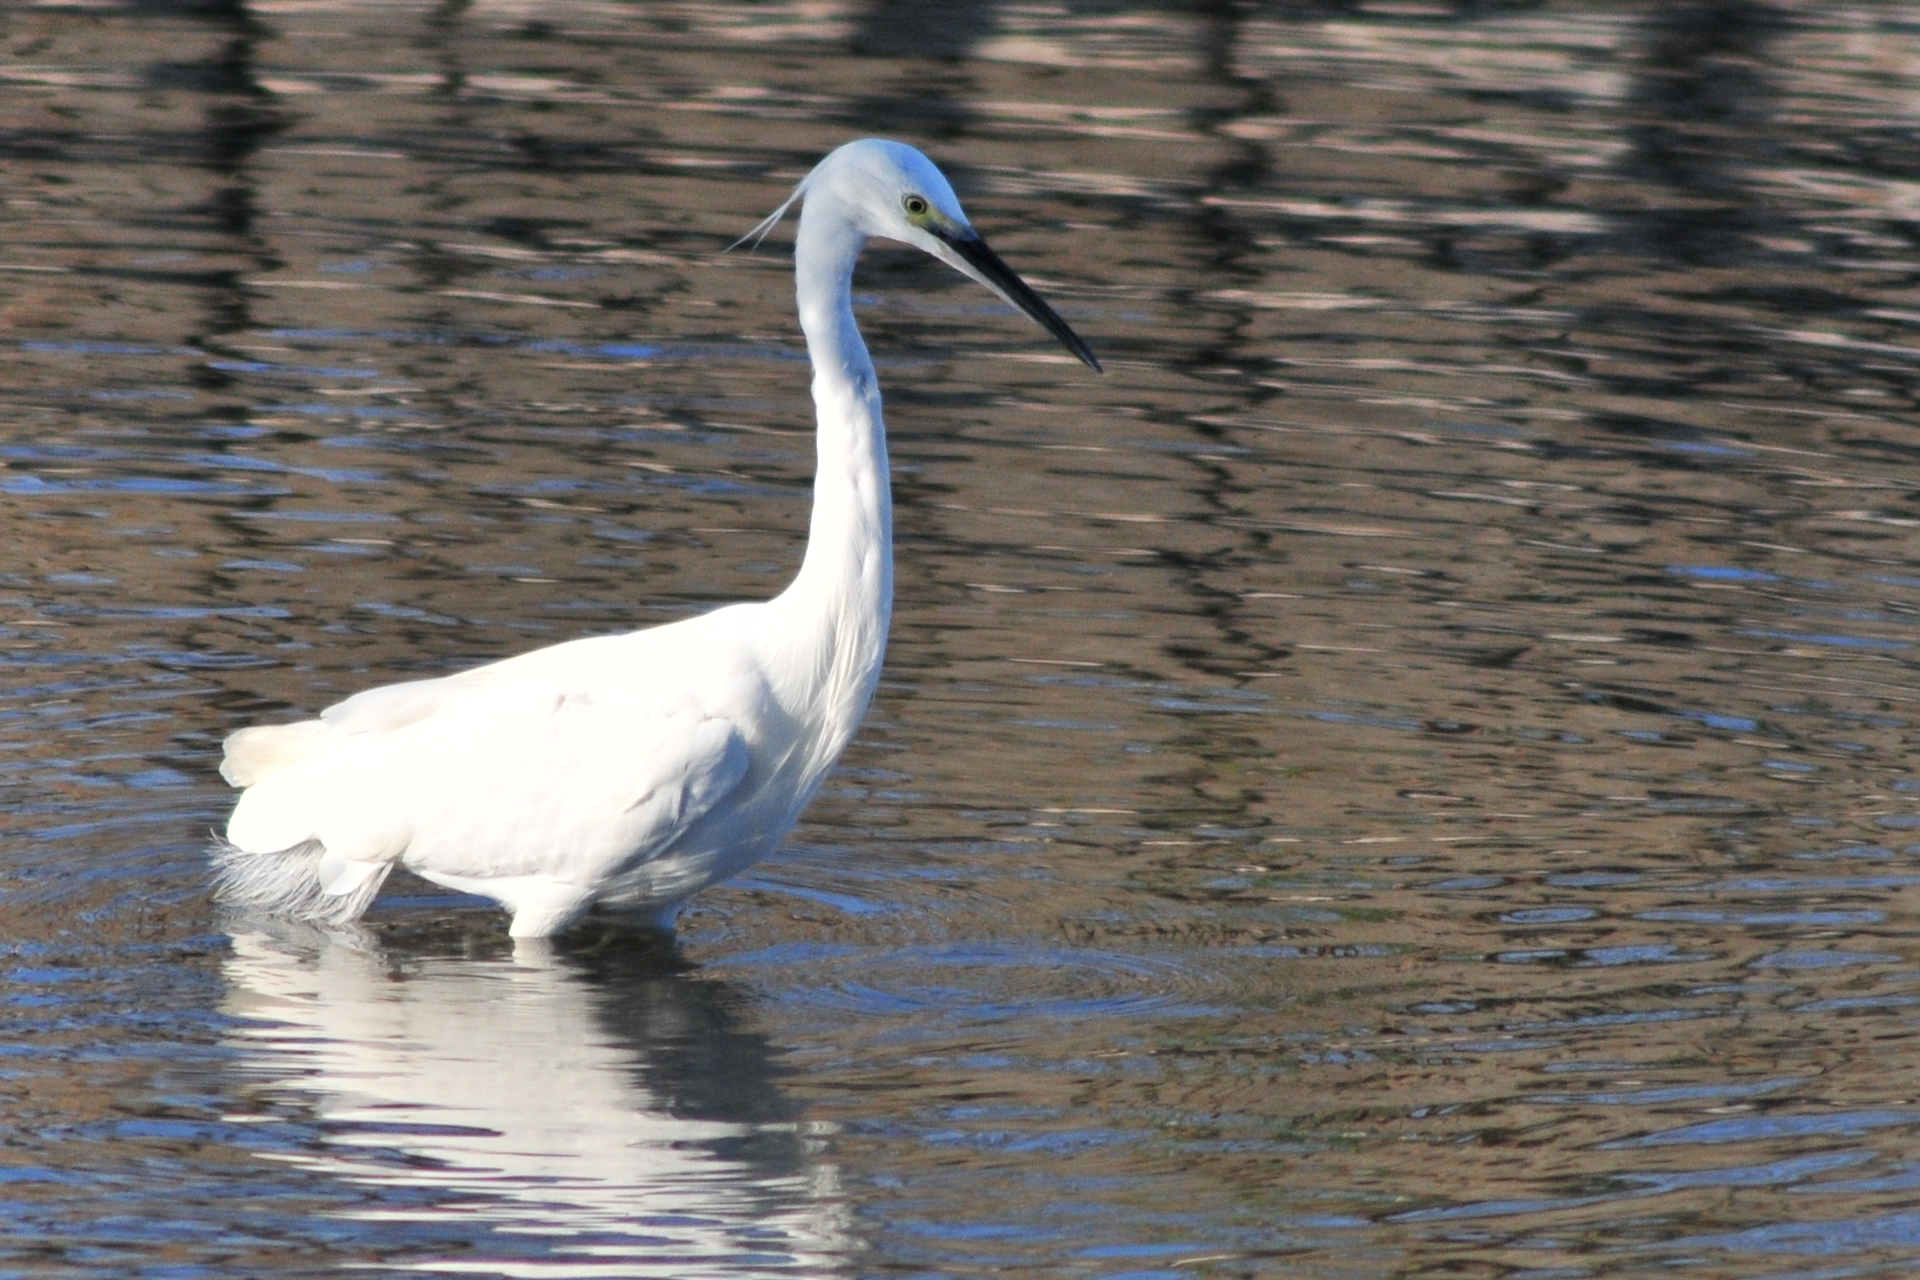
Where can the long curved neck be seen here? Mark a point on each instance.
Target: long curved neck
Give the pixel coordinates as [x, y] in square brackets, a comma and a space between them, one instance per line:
[842, 598]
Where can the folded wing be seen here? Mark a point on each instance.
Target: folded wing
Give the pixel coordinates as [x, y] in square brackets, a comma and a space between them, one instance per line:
[485, 779]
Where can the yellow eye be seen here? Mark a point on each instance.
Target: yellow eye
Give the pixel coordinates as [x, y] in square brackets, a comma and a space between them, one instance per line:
[915, 205]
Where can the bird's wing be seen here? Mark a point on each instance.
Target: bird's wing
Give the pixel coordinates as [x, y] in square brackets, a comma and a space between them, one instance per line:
[559, 668]
[257, 753]
[395, 706]
[571, 786]
[500, 781]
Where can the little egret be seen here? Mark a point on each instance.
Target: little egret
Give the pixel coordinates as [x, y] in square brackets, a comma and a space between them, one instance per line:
[630, 771]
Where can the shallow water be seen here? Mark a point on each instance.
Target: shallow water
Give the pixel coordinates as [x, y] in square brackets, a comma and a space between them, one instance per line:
[1408, 774]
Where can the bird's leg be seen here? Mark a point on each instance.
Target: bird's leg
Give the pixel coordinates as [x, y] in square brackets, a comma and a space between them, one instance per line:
[542, 908]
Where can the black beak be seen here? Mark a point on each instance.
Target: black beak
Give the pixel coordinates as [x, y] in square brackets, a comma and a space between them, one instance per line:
[998, 276]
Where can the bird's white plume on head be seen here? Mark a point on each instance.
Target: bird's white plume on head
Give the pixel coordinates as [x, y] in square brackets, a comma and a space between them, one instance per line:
[630, 771]
[772, 220]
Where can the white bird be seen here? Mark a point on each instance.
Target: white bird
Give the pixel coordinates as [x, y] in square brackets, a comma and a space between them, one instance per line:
[630, 771]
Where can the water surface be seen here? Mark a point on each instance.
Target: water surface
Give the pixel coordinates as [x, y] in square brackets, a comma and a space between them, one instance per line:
[1408, 774]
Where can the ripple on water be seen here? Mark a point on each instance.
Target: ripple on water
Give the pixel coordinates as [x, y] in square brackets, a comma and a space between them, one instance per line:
[986, 982]
[1464, 640]
[1768, 1128]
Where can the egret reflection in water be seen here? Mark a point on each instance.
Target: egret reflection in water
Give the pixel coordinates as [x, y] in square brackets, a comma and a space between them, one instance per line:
[605, 1118]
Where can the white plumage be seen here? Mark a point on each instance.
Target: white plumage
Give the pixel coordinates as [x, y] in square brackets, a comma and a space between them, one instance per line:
[630, 771]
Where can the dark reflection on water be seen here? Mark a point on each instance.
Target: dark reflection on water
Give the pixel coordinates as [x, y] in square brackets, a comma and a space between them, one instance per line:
[1409, 774]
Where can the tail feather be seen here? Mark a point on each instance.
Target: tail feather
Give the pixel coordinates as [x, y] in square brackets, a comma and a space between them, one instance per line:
[288, 882]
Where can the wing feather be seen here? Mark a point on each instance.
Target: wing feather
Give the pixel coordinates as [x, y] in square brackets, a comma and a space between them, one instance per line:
[253, 755]
[256, 754]
[501, 782]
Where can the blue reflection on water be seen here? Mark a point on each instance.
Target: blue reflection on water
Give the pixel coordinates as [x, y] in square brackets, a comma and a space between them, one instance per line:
[1768, 1128]
[1845, 1236]
[1822, 959]
[290, 370]
[1830, 638]
[1721, 573]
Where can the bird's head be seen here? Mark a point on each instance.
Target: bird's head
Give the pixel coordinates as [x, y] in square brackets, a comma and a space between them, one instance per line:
[890, 190]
